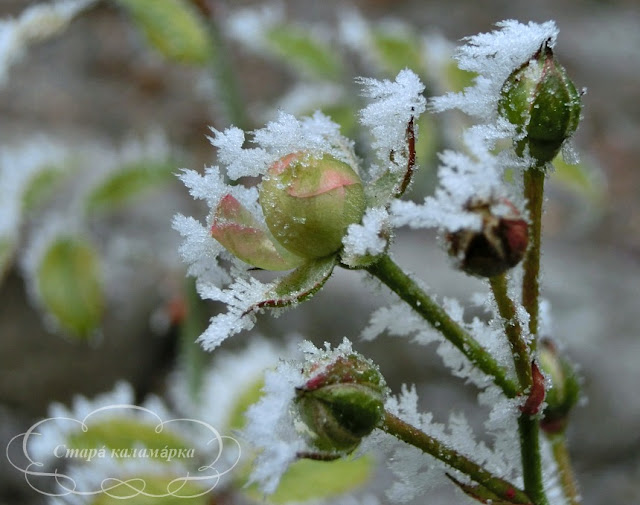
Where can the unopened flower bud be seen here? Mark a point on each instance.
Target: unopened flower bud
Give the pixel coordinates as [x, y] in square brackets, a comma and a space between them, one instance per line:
[497, 246]
[540, 99]
[308, 203]
[565, 388]
[342, 402]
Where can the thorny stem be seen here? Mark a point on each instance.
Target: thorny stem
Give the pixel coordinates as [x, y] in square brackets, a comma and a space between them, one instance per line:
[513, 330]
[409, 291]
[529, 426]
[563, 460]
[533, 192]
[413, 436]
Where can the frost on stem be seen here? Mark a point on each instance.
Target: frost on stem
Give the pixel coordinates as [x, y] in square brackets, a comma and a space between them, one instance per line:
[314, 201]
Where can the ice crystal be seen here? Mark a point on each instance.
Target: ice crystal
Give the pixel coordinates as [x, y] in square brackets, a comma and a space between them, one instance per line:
[494, 56]
[366, 238]
[271, 427]
[387, 117]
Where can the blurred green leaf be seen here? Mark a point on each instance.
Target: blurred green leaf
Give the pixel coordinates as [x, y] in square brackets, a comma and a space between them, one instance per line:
[174, 28]
[247, 398]
[125, 433]
[156, 486]
[129, 182]
[345, 115]
[69, 284]
[42, 187]
[305, 53]
[456, 78]
[397, 52]
[582, 178]
[315, 480]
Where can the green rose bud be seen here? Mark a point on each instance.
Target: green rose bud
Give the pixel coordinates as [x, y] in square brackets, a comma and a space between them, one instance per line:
[540, 99]
[309, 202]
[565, 388]
[343, 403]
[497, 246]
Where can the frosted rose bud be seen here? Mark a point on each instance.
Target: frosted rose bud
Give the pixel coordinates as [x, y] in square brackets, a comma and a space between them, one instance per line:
[497, 246]
[342, 402]
[540, 99]
[308, 203]
[565, 388]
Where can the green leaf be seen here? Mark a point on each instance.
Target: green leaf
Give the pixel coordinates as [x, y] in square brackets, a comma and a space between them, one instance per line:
[583, 179]
[125, 433]
[174, 28]
[314, 480]
[247, 398]
[299, 49]
[128, 183]
[42, 187]
[69, 284]
[397, 51]
[156, 486]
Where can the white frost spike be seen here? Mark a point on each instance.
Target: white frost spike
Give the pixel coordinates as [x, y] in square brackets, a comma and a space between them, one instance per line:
[241, 298]
[35, 23]
[366, 238]
[387, 117]
[271, 429]
[494, 56]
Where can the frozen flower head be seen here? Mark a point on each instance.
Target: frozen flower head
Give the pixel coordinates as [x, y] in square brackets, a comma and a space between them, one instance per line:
[320, 409]
[315, 206]
[520, 84]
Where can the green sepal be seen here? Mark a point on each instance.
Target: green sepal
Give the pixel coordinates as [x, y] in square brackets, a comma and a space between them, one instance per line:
[174, 28]
[301, 284]
[70, 285]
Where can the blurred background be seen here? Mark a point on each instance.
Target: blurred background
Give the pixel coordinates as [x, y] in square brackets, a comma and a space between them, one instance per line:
[100, 95]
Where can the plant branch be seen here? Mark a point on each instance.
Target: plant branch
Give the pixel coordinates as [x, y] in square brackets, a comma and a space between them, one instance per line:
[567, 477]
[407, 289]
[413, 436]
[533, 192]
[529, 428]
[513, 330]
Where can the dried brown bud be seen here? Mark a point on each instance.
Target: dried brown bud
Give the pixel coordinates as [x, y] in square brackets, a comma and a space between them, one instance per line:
[497, 246]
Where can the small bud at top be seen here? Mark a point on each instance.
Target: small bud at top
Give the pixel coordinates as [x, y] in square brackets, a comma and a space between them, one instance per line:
[497, 246]
[342, 402]
[564, 392]
[540, 99]
[309, 202]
